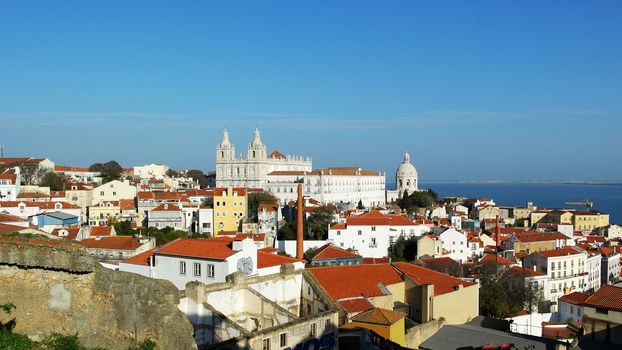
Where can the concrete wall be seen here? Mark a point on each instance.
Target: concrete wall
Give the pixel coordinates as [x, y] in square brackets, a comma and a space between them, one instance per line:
[69, 293]
[420, 333]
[289, 247]
[457, 307]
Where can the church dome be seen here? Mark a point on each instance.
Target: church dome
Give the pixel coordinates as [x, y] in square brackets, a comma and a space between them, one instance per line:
[406, 169]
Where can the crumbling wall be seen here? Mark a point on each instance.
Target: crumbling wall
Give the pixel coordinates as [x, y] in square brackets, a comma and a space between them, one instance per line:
[59, 288]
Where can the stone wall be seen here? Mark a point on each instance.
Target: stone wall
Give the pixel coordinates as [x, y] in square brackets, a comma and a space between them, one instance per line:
[420, 333]
[59, 288]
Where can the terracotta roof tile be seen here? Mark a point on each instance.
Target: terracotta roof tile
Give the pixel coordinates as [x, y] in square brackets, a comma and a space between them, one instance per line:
[379, 316]
[353, 305]
[442, 283]
[140, 259]
[329, 251]
[607, 297]
[576, 298]
[558, 252]
[208, 248]
[268, 260]
[355, 280]
[113, 242]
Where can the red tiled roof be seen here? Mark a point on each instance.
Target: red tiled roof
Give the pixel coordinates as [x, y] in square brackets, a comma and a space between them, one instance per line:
[52, 243]
[101, 230]
[376, 218]
[329, 251]
[355, 280]
[338, 227]
[374, 260]
[558, 252]
[208, 248]
[166, 207]
[75, 169]
[268, 206]
[551, 330]
[268, 260]
[522, 271]
[219, 191]
[537, 236]
[576, 298]
[72, 232]
[379, 316]
[270, 250]
[41, 205]
[607, 297]
[113, 242]
[276, 154]
[489, 258]
[140, 259]
[442, 283]
[355, 304]
[5, 217]
[127, 204]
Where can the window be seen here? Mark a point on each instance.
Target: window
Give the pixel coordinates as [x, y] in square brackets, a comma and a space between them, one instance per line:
[313, 330]
[338, 233]
[360, 232]
[373, 228]
[197, 269]
[101, 193]
[182, 267]
[266, 344]
[283, 339]
[327, 324]
[210, 270]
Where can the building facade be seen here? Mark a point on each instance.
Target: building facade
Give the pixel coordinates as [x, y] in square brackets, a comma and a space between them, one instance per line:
[251, 172]
[330, 185]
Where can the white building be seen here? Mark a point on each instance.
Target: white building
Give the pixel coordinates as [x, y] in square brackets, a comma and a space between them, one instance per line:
[569, 269]
[113, 191]
[205, 260]
[406, 179]
[167, 215]
[330, 185]
[152, 170]
[203, 221]
[454, 244]
[10, 184]
[371, 234]
[29, 209]
[251, 172]
[537, 280]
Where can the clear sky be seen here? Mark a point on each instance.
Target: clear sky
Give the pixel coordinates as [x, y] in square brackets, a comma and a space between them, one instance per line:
[472, 89]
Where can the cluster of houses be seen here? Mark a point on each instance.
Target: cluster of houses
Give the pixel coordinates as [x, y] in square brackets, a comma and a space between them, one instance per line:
[345, 289]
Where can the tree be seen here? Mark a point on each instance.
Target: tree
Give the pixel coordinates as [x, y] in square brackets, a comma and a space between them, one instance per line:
[360, 206]
[56, 182]
[198, 176]
[254, 200]
[404, 250]
[109, 171]
[314, 228]
[310, 253]
[172, 173]
[30, 173]
[503, 293]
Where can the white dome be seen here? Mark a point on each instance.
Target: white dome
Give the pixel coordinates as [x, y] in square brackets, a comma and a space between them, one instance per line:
[406, 169]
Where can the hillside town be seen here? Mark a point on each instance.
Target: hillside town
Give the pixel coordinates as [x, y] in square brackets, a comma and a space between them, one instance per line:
[268, 252]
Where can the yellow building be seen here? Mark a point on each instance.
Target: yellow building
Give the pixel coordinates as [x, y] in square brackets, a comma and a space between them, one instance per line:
[386, 323]
[537, 215]
[558, 217]
[230, 208]
[589, 220]
[104, 213]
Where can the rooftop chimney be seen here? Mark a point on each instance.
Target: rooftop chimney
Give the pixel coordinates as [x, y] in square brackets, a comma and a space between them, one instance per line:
[299, 248]
[498, 234]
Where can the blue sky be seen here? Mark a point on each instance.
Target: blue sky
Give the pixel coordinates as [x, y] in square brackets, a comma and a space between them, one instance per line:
[472, 89]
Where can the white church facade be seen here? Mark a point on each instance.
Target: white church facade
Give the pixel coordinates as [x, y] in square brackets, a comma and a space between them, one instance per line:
[252, 171]
[406, 179]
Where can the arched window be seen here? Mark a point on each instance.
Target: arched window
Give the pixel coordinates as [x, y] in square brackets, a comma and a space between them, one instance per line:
[408, 183]
[222, 154]
[253, 154]
[401, 183]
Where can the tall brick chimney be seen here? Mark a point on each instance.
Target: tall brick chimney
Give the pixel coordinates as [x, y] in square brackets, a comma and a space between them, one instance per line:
[498, 234]
[299, 231]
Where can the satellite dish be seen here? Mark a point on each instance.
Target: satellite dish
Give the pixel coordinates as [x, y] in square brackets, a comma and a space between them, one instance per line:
[245, 265]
